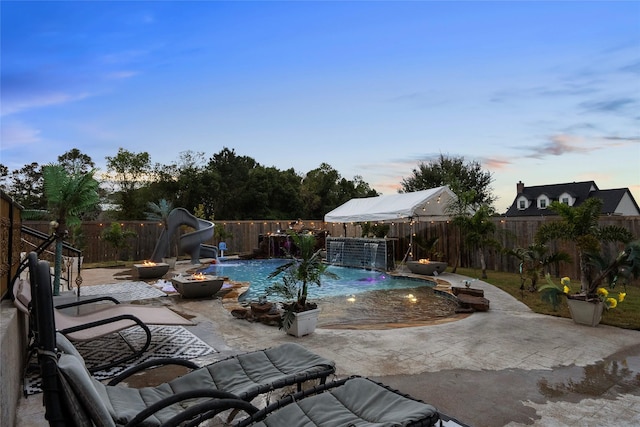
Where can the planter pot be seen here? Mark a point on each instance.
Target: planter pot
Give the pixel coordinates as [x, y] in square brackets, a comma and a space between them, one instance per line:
[585, 312]
[304, 323]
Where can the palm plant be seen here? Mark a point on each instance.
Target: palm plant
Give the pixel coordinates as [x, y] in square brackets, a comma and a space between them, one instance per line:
[479, 231]
[68, 195]
[297, 274]
[160, 212]
[117, 237]
[621, 268]
[579, 224]
[428, 245]
[534, 260]
[460, 209]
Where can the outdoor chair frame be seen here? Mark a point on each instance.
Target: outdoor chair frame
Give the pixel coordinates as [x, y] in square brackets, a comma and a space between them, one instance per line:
[97, 323]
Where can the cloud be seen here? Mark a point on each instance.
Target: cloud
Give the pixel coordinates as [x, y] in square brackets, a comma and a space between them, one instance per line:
[123, 57]
[496, 163]
[17, 134]
[119, 75]
[418, 100]
[15, 104]
[633, 68]
[560, 144]
[148, 18]
[618, 141]
[608, 106]
[568, 90]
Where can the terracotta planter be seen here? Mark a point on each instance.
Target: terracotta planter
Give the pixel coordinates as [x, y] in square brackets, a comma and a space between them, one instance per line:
[304, 323]
[585, 312]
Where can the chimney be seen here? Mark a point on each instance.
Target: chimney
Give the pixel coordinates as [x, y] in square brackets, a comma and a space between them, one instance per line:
[520, 187]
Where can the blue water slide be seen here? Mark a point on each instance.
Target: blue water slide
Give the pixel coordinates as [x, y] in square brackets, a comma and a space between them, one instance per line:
[191, 243]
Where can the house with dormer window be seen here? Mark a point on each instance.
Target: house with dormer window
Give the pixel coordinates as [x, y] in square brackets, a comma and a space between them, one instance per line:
[535, 200]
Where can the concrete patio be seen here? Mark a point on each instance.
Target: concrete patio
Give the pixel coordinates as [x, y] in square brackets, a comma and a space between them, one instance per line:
[505, 367]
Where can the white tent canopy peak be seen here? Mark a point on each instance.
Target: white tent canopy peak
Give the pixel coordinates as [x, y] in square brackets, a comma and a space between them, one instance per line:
[425, 205]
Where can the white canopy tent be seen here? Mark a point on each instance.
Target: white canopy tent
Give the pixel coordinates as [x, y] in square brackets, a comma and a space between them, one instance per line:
[425, 205]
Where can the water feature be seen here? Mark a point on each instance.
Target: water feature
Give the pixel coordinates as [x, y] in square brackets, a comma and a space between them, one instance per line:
[370, 254]
[335, 252]
[361, 252]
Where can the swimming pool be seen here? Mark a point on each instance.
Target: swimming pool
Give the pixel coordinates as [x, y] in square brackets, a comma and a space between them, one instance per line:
[351, 281]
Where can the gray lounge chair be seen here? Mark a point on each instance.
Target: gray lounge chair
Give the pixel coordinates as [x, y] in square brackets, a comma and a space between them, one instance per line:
[351, 402]
[104, 320]
[73, 397]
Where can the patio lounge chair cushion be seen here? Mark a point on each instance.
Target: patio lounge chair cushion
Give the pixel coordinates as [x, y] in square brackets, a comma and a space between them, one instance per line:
[149, 315]
[246, 376]
[358, 402]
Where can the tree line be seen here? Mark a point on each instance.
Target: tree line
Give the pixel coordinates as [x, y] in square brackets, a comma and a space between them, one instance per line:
[230, 186]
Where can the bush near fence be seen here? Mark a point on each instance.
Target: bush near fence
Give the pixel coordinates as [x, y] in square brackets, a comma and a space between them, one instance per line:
[247, 235]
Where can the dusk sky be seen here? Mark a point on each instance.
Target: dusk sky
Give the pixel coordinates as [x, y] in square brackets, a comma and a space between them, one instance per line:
[538, 92]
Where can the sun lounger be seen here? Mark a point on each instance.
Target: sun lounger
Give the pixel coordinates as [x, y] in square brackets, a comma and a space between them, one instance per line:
[354, 401]
[100, 322]
[71, 393]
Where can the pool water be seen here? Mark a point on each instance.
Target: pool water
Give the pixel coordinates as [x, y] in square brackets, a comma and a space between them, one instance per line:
[351, 281]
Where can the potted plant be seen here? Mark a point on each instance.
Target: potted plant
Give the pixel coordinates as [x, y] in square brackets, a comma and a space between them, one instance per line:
[579, 224]
[305, 267]
[587, 308]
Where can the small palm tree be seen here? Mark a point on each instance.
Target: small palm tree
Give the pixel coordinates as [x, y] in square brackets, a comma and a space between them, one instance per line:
[579, 224]
[479, 231]
[160, 212]
[460, 209]
[117, 237]
[622, 268]
[428, 245]
[298, 273]
[68, 196]
[534, 260]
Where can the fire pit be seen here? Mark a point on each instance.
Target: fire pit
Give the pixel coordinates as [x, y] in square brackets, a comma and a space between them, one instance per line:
[151, 270]
[426, 267]
[197, 285]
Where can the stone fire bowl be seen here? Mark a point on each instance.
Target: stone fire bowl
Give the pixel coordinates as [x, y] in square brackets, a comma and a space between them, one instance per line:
[147, 271]
[188, 287]
[426, 269]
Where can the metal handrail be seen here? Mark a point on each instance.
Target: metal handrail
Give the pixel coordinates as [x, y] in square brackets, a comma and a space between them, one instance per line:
[47, 240]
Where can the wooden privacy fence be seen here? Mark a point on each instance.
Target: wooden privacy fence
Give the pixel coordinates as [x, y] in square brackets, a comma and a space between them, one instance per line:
[9, 240]
[245, 237]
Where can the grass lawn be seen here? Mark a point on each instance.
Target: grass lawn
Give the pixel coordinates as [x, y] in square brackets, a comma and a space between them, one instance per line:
[625, 315]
